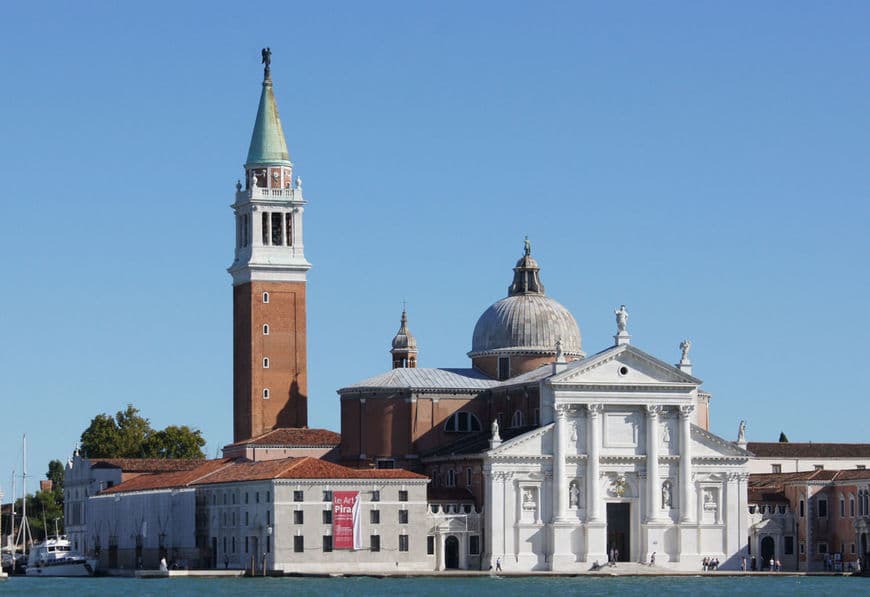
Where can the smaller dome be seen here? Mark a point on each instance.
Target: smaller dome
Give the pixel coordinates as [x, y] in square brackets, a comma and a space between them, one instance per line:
[404, 340]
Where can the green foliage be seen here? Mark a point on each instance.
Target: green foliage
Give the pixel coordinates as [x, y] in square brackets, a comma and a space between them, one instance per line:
[42, 510]
[55, 474]
[175, 442]
[783, 439]
[129, 435]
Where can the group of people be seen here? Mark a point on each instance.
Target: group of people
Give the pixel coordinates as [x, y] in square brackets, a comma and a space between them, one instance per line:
[773, 565]
[710, 564]
[612, 557]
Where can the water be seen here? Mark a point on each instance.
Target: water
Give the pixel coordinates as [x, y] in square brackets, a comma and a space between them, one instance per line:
[788, 586]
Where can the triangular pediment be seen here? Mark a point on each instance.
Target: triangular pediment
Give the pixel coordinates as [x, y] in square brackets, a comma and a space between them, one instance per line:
[537, 442]
[623, 365]
[710, 445]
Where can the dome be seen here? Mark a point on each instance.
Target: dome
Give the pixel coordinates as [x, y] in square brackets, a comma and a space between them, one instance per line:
[404, 340]
[525, 323]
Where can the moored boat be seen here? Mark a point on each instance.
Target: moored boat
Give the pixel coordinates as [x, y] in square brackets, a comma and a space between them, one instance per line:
[54, 557]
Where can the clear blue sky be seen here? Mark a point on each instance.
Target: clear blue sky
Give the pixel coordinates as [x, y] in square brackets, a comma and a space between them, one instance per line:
[704, 163]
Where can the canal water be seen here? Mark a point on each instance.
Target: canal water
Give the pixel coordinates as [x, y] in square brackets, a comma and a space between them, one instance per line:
[768, 586]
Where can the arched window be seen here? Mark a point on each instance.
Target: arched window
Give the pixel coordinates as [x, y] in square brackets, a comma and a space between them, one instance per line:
[265, 362]
[852, 506]
[451, 478]
[517, 419]
[265, 297]
[265, 393]
[462, 422]
[265, 329]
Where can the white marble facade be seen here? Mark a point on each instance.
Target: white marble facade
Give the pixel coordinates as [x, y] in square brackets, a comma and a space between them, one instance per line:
[619, 463]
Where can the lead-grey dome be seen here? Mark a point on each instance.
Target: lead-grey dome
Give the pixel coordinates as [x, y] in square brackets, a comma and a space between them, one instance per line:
[526, 321]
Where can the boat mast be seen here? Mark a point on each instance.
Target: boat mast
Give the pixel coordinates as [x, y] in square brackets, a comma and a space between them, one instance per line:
[24, 536]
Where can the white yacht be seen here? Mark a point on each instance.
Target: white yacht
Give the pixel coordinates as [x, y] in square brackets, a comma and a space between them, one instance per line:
[53, 557]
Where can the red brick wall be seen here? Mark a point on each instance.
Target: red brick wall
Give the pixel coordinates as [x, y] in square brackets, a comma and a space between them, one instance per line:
[285, 346]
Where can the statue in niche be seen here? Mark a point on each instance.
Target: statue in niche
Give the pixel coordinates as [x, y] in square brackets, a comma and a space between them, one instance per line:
[528, 499]
[741, 432]
[495, 434]
[574, 431]
[709, 500]
[621, 319]
[666, 434]
[667, 498]
[574, 495]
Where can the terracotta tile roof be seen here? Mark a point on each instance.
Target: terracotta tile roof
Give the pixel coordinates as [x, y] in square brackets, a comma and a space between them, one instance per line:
[808, 450]
[295, 437]
[226, 470]
[169, 480]
[147, 465]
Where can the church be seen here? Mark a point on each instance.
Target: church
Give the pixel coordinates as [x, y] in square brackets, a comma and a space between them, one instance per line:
[574, 458]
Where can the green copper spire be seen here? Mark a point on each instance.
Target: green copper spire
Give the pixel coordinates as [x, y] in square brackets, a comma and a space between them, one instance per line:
[268, 147]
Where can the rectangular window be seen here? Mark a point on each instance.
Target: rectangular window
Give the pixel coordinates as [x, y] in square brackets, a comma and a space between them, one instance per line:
[403, 495]
[376, 496]
[403, 517]
[842, 508]
[327, 543]
[468, 476]
[246, 544]
[298, 496]
[327, 517]
[819, 467]
[823, 548]
[504, 367]
[403, 542]
[246, 518]
[803, 548]
[430, 545]
[327, 495]
[801, 508]
[245, 231]
[276, 230]
[298, 543]
[289, 224]
[375, 541]
[246, 497]
[298, 517]
[265, 230]
[268, 517]
[788, 546]
[776, 468]
[823, 508]
[375, 517]
[474, 545]
[387, 463]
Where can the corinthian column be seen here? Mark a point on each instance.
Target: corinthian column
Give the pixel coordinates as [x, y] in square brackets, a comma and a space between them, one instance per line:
[686, 506]
[560, 492]
[593, 446]
[652, 462]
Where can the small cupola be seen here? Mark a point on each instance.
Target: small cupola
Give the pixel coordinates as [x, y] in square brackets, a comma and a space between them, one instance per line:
[404, 348]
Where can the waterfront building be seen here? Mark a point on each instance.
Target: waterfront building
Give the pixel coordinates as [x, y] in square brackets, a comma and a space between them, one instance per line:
[794, 457]
[812, 521]
[573, 459]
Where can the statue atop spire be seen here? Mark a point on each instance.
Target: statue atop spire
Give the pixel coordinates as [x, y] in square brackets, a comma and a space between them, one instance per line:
[527, 247]
[266, 54]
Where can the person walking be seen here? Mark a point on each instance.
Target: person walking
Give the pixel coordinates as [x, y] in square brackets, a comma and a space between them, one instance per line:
[498, 564]
[652, 559]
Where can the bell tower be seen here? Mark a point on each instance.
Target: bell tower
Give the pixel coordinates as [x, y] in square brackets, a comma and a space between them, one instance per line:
[270, 387]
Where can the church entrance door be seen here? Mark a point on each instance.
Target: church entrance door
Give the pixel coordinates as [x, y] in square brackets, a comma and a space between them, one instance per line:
[767, 548]
[451, 553]
[618, 530]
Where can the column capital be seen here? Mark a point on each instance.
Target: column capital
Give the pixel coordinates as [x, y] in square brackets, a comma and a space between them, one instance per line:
[686, 410]
[595, 409]
[653, 410]
[562, 410]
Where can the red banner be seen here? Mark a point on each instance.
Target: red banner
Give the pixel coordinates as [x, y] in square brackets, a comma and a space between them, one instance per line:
[346, 532]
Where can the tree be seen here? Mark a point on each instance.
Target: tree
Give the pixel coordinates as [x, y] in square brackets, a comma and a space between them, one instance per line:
[55, 474]
[130, 435]
[175, 442]
[783, 439]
